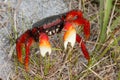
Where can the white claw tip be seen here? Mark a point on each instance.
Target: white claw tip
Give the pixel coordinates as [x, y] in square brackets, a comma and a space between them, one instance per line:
[70, 39]
[44, 50]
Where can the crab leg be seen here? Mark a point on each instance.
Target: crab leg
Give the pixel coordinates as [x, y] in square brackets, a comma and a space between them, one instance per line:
[83, 47]
[24, 40]
[20, 43]
[44, 44]
[86, 26]
[27, 51]
[19, 50]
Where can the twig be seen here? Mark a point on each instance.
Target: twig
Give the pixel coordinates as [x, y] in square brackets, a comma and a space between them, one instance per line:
[108, 28]
[96, 63]
[92, 71]
[11, 51]
[15, 18]
[79, 6]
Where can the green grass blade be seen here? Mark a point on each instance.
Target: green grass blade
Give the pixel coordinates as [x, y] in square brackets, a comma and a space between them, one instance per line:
[104, 20]
[101, 13]
[107, 10]
[115, 23]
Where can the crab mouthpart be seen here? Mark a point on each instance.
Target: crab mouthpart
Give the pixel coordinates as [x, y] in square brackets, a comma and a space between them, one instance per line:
[44, 45]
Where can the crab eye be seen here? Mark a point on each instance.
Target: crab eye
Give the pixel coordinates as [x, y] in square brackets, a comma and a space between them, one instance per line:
[46, 31]
[58, 26]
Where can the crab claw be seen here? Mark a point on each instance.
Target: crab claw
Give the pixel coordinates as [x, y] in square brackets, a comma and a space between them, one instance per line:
[76, 17]
[44, 44]
[70, 35]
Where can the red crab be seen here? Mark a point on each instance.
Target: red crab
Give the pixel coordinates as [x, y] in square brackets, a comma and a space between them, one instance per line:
[49, 26]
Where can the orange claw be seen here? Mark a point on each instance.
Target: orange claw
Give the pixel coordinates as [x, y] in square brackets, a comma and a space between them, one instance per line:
[44, 44]
[70, 35]
[83, 47]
